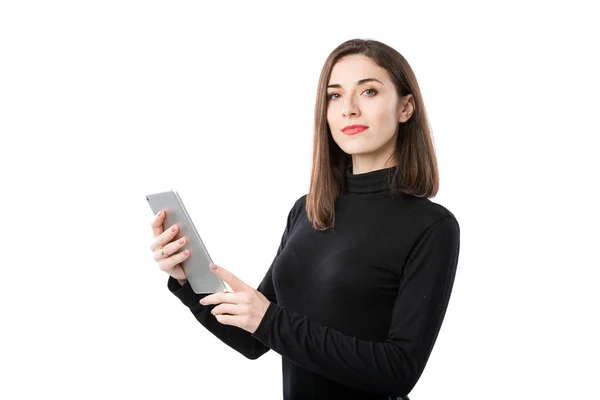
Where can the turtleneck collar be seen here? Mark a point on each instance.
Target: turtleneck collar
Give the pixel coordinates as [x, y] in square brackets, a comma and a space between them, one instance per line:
[374, 182]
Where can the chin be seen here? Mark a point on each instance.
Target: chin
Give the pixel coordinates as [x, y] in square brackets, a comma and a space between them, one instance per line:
[357, 148]
[362, 145]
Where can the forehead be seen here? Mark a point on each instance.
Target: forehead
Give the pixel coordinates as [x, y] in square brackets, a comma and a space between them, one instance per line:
[350, 69]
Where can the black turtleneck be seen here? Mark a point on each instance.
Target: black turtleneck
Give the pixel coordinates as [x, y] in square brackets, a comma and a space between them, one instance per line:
[355, 311]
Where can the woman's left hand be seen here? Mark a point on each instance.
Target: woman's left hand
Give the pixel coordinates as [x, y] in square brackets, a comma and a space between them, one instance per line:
[245, 307]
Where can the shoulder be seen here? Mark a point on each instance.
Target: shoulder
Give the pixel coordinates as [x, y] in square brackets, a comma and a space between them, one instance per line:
[297, 210]
[428, 212]
[301, 201]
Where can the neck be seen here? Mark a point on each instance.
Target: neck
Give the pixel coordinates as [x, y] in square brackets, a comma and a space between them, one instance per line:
[363, 163]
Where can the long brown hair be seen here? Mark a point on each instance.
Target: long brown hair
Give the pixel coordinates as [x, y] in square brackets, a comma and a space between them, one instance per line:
[416, 170]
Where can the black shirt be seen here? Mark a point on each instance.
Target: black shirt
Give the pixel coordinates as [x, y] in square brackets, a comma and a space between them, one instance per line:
[355, 310]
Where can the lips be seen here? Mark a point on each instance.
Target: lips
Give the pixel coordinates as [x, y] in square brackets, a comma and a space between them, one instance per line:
[354, 129]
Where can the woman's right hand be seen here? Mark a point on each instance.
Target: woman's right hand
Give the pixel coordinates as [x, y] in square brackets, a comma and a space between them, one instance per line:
[163, 241]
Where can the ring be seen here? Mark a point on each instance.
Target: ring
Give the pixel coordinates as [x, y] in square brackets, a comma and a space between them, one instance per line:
[162, 251]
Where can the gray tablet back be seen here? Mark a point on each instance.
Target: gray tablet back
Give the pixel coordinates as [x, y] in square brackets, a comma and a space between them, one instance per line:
[196, 266]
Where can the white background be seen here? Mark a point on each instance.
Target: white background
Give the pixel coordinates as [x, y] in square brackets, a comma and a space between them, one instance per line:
[104, 102]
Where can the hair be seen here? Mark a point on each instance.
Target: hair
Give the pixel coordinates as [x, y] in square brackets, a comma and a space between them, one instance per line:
[416, 170]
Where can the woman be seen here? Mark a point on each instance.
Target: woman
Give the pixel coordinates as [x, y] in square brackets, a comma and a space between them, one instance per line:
[357, 292]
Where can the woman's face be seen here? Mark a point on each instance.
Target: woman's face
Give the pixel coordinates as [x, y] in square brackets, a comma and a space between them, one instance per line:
[361, 93]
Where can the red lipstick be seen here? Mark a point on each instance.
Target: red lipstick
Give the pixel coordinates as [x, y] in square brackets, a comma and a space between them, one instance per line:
[354, 129]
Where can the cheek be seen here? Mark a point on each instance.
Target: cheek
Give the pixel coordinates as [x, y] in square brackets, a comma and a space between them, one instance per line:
[386, 116]
[331, 116]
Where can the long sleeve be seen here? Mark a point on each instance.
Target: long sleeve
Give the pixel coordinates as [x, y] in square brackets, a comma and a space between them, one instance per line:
[392, 366]
[236, 338]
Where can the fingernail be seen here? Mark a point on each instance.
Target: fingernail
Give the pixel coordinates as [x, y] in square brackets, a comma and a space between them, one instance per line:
[181, 240]
[158, 213]
[213, 266]
[174, 228]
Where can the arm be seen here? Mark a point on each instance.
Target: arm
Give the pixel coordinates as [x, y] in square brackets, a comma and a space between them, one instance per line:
[238, 339]
[392, 366]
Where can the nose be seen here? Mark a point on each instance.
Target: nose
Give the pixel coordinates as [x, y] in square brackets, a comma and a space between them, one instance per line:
[349, 108]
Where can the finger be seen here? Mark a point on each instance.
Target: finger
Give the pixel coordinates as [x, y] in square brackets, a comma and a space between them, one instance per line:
[227, 308]
[157, 223]
[164, 237]
[221, 297]
[235, 283]
[169, 249]
[168, 264]
[161, 253]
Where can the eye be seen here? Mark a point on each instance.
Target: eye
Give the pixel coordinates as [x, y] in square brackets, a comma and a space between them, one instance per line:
[371, 93]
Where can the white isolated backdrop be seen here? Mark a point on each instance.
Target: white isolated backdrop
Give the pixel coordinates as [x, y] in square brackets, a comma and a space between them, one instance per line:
[104, 102]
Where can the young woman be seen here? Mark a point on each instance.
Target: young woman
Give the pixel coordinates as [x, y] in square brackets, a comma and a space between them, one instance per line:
[358, 290]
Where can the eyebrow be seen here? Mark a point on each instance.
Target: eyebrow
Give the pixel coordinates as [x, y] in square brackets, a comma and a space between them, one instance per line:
[335, 85]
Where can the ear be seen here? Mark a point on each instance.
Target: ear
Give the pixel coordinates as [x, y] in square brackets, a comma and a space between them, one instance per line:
[406, 108]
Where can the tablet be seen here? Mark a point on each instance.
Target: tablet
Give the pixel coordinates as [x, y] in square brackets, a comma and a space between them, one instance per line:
[196, 266]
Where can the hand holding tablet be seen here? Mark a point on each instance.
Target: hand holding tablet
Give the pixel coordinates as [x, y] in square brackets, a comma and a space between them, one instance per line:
[165, 248]
[174, 235]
